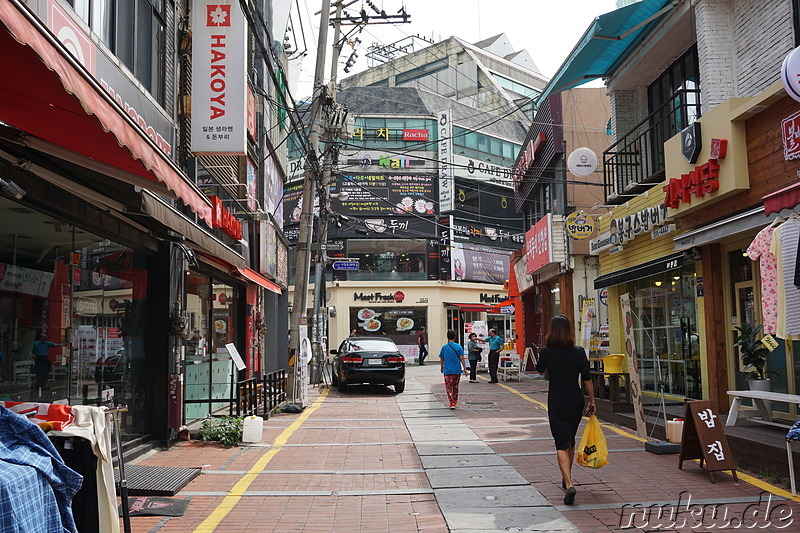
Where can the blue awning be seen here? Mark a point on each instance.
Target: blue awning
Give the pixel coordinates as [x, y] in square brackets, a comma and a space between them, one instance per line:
[606, 43]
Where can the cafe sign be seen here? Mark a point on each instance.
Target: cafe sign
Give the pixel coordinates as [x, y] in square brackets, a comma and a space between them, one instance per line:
[579, 225]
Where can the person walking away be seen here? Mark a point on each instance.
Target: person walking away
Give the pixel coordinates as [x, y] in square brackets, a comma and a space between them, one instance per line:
[564, 362]
[474, 354]
[41, 361]
[451, 361]
[495, 343]
[422, 341]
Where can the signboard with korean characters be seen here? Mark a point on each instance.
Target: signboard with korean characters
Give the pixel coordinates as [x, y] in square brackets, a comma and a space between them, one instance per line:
[704, 438]
[385, 194]
[579, 225]
[538, 249]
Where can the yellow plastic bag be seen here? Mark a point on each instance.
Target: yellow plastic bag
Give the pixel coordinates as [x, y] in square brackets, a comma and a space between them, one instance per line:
[592, 452]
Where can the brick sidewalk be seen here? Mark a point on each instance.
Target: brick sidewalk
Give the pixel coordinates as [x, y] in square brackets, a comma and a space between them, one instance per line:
[351, 466]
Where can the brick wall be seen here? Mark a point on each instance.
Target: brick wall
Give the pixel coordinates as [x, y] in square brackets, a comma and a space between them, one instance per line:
[763, 36]
[714, 34]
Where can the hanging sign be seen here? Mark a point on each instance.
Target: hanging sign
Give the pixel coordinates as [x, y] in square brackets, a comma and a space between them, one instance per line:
[790, 74]
[219, 78]
[579, 225]
[582, 162]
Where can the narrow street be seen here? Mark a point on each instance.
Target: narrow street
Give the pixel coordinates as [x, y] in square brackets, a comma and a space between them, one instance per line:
[369, 460]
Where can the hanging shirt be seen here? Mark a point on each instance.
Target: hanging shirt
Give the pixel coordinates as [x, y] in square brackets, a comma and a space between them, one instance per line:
[759, 250]
[784, 247]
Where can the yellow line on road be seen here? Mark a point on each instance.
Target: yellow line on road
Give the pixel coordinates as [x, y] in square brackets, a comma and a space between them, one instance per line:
[235, 494]
[758, 483]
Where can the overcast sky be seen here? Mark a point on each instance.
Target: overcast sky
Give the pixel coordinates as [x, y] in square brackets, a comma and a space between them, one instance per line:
[548, 29]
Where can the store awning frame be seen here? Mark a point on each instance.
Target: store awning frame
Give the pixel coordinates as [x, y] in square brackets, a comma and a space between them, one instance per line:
[88, 120]
[786, 198]
[650, 268]
[258, 279]
[607, 42]
[469, 307]
[723, 229]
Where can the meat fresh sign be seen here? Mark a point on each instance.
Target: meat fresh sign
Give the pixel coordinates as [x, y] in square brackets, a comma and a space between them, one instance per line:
[219, 78]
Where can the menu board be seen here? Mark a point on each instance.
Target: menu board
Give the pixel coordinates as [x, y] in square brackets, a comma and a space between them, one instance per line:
[378, 194]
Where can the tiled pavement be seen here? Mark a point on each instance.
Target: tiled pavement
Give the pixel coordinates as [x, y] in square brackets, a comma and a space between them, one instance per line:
[367, 460]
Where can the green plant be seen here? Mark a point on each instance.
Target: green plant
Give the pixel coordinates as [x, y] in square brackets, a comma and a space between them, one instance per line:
[754, 354]
[227, 430]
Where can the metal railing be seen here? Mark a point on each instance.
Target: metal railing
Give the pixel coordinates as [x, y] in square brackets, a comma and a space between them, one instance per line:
[636, 161]
[259, 397]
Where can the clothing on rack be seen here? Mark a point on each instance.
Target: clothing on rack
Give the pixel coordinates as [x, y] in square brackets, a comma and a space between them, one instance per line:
[25, 448]
[784, 247]
[759, 250]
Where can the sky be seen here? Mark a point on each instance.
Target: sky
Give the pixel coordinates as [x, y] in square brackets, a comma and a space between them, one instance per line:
[548, 29]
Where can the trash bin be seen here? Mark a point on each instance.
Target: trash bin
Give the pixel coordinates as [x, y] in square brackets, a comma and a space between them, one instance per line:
[253, 429]
[674, 430]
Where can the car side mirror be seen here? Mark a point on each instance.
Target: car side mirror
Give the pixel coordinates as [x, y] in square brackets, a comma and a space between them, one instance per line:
[334, 352]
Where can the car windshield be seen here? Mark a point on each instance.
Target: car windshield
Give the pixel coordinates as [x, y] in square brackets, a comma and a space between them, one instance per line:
[369, 345]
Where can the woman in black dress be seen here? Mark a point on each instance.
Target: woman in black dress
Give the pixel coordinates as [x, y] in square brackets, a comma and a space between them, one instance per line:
[564, 363]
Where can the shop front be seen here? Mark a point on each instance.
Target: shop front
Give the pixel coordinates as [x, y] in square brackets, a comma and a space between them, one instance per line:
[398, 311]
[666, 296]
[734, 234]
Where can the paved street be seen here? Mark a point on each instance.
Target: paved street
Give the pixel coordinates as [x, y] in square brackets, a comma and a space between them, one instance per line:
[368, 460]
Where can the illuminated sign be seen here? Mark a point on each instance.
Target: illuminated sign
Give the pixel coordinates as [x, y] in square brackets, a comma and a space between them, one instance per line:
[224, 220]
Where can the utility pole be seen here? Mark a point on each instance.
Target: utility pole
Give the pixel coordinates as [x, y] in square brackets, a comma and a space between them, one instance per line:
[303, 250]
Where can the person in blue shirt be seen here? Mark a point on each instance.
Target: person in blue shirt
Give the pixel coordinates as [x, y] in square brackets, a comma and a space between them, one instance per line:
[41, 360]
[451, 358]
[495, 343]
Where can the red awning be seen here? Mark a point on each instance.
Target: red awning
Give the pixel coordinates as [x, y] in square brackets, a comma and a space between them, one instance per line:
[786, 198]
[258, 279]
[470, 308]
[505, 303]
[46, 93]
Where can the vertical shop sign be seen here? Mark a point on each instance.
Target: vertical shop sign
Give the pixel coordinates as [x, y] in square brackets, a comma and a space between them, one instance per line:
[790, 131]
[587, 317]
[219, 78]
[633, 364]
[446, 181]
[538, 249]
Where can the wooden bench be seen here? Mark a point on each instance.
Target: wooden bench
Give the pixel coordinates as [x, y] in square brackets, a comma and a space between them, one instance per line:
[760, 399]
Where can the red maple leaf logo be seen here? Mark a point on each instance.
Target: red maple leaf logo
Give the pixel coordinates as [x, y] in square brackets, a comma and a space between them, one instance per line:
[218, 15]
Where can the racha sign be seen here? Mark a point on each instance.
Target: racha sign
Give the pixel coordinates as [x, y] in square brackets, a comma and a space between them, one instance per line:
[703, 180]
[396, 297]
[224, 220]
[415, 135]
[526, 158]
[790, 131]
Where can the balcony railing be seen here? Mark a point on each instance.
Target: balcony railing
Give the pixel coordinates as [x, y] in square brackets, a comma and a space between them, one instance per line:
[636, 161]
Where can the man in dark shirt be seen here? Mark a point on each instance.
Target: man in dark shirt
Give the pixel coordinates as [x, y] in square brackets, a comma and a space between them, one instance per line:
[422, 341]
[41, 360]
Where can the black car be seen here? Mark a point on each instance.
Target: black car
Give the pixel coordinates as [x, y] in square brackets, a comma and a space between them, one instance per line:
[372, 360]
[110, 369]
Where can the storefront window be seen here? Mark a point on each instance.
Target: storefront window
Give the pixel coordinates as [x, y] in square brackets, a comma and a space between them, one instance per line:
[401, 324]
[210, 371]
[666, 332]
[63, 282]
[388, 259]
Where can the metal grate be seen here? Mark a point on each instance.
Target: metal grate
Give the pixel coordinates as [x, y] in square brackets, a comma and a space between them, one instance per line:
[155, 480]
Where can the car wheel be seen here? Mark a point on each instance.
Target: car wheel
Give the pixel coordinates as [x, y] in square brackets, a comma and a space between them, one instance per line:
[399, 387]
[341, 386]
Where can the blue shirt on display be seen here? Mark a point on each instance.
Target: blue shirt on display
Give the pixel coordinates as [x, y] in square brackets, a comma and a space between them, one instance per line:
[452, 354]
[495, 343]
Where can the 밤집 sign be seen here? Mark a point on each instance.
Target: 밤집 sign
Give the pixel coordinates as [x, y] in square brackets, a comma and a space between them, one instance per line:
[219, 78]
[538, 245]
[704, 438]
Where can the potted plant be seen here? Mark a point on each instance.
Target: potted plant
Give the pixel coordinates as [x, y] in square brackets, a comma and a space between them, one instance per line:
[754, 356]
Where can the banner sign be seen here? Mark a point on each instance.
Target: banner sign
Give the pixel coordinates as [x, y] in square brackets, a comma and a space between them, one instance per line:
[587, 318]
[538, 249]
[633, 365]
[386, 194]
[219, 78]
[446, 184]
[478, 263]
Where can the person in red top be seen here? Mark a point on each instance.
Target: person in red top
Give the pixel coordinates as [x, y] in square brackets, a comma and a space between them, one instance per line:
[422, 341]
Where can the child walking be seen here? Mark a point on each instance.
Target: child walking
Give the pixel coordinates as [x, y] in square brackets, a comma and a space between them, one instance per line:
[451, 358]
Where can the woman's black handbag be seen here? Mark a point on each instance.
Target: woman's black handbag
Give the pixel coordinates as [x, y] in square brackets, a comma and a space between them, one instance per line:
[477, 352]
